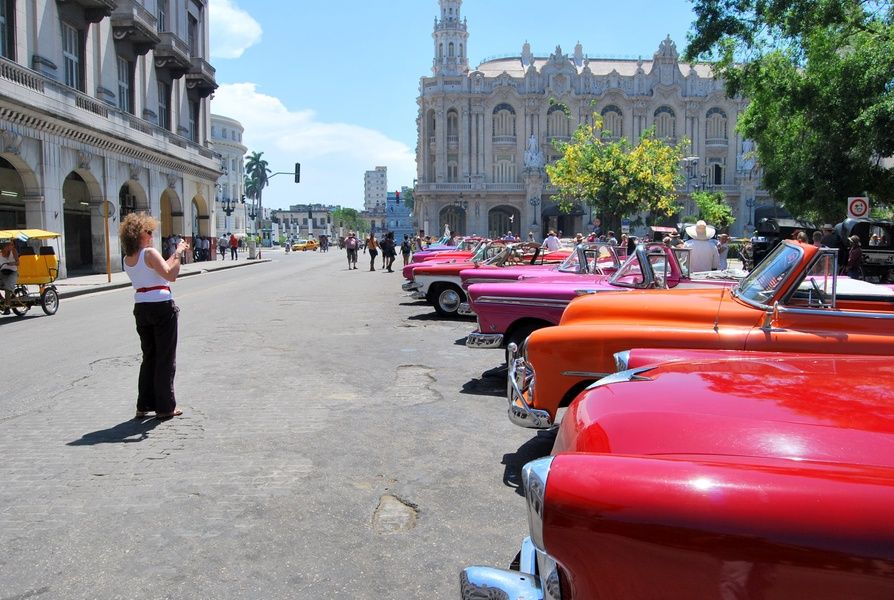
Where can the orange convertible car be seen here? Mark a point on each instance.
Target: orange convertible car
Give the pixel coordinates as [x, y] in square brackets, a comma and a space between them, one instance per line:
[792, 302]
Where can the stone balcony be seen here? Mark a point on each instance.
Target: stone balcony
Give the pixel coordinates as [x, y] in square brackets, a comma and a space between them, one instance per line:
[200, 77]
[132, 23]
[24, 87]
[172, 54]
[94, 10]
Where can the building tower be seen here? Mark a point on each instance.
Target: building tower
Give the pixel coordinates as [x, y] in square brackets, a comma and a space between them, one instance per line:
[450, 38]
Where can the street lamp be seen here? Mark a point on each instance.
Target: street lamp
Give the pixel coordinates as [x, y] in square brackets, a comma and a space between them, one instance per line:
[228, 206]
[750, 204]
[460, 203]
[534, 201]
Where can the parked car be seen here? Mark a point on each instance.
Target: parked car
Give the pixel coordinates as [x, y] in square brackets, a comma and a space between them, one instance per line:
[753, 475]
[791, 302]
[466, 247]
[595, 258]
[508, 312]
[304, 245]
[440, 283]
[469, 250]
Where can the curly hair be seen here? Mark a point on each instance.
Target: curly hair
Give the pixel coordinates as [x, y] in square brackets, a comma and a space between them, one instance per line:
[132, 227]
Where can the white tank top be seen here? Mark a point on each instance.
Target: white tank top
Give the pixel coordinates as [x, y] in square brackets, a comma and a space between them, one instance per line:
[141, 276]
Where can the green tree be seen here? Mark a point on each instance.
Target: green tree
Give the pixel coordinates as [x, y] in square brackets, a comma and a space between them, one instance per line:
[818, 76]
[713, 208]
[258, 174]
[615, 177]
[348, 218]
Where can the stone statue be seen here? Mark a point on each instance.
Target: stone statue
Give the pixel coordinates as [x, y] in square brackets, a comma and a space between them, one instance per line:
[533, 155]
[746, 159]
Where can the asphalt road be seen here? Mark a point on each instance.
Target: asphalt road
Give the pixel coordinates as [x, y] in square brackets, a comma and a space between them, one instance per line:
[338, 441]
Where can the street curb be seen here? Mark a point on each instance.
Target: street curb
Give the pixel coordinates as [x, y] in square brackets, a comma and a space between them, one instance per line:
[102, 287]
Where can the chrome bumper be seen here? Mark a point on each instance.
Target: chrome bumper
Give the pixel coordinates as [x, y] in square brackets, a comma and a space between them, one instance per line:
[520, 381]
[484, 340]
[487, 582]
[410, 286]
[465, 310]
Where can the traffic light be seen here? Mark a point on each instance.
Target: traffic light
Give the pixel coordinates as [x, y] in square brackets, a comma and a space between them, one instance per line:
[397, 195]
[297, 172]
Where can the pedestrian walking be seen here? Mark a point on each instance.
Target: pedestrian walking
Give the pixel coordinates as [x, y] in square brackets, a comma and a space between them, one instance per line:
[406, 249]
[351, 247]
[234, 247]
[222, 245]
[723, 250]
[372, 245]
[155, 314]
[389, 252]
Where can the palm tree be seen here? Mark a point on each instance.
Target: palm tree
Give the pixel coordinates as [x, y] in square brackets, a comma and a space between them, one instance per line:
[257, 172]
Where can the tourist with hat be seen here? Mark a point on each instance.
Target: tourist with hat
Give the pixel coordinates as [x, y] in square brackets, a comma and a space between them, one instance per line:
[703, 255]
[830, 238]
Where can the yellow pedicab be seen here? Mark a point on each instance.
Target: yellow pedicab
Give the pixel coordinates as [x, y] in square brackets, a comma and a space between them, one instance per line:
[38, 268]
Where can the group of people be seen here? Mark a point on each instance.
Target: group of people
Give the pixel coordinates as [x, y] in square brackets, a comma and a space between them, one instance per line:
[373, 246]
[228, 242]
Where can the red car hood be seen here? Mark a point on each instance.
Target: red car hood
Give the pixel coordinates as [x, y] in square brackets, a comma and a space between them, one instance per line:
[751, 405]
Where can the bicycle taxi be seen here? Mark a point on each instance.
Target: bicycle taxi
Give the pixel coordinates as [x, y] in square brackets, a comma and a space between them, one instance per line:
[37, 267]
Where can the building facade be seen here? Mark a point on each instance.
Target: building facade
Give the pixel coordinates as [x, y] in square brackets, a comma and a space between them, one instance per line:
[485, 134]
[304, 220]
[375, 188]
[104, 110]
[230, 212]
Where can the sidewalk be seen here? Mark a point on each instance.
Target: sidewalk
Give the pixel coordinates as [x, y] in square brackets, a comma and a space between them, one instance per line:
[88, 284]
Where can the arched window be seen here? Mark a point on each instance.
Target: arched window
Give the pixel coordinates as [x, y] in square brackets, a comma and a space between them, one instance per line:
[715, 126]
[558, 124]
[665, 123]
[612, 122]
[452, 171]
[452, 124]
[504, 169]
[450, 50]
[460, 50]
[440, 50]
[504, 120]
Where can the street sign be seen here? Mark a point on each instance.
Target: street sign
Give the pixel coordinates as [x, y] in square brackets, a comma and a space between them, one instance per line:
[857, 207]
[625, 225]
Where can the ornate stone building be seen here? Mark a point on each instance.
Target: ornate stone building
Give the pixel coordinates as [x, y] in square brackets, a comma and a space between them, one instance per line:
[485, 134]
[104, 106]
[226, 136]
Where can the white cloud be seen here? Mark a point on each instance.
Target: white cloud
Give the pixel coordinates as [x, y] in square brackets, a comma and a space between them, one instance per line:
[233, 30]
[333, 156]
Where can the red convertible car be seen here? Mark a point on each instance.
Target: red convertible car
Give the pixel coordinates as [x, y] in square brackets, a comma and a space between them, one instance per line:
[752, 475]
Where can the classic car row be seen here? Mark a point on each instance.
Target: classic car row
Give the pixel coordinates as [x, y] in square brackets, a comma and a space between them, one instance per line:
[727, 435]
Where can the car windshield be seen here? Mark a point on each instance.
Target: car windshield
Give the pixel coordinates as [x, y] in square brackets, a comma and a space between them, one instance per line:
[490, 254]
[597, 258]
[763, 283]
[647, 267]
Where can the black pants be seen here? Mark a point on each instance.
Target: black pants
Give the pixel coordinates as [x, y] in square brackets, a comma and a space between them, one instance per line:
[157, 327]
[372, 259]
[234, 252]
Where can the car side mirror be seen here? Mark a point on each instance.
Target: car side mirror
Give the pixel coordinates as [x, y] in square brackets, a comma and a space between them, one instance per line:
[771, 317]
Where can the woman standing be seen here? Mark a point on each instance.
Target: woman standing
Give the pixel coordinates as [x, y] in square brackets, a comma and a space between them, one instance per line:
[155, 314]
[9, 273]
[373, 247]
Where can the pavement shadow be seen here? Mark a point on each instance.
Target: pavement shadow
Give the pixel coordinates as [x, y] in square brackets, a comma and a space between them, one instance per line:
[491, 383]
[132, 430]
[537, 447]
[414, 303]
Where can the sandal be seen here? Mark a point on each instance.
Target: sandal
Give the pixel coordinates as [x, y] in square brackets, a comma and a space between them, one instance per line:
[166, 416]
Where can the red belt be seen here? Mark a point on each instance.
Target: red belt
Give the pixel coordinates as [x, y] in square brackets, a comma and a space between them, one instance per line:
[154, 287]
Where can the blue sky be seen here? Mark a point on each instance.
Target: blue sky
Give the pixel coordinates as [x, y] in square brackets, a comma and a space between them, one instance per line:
[333, 85]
